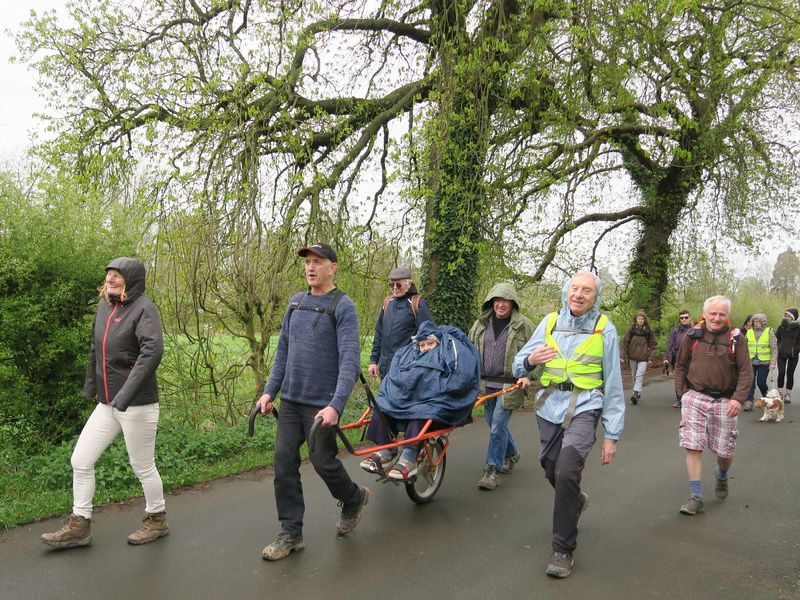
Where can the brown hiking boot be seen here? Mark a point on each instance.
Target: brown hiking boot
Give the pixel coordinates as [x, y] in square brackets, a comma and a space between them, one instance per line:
[153, 527]
[351, 513]
[77, 531]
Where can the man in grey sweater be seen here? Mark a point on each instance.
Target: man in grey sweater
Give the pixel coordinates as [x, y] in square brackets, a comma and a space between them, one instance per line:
[316, 366]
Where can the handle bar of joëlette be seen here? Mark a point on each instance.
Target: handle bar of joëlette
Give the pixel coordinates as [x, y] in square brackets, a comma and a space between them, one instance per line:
[251, 425]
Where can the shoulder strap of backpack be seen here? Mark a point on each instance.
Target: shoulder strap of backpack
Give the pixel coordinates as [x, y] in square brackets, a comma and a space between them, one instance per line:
[386, 301]
[415, 299]
[330, 311]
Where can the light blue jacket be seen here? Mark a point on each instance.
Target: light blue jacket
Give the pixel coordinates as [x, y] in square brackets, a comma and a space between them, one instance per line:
[610, 399]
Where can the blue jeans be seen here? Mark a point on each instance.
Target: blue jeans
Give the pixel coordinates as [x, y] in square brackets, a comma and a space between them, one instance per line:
[501, 444]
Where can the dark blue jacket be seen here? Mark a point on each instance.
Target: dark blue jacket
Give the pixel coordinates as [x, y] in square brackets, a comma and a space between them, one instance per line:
[395, 328]
[441, 384]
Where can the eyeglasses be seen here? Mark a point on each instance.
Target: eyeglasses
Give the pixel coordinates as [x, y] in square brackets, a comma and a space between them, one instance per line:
[684, 318]
[395, 284]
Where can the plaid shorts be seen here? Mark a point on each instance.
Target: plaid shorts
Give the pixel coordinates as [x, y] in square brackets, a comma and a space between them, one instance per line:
[704, 422]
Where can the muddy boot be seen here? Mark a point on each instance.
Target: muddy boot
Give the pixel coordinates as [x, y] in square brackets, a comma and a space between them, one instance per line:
[153, 527]
[77, 531]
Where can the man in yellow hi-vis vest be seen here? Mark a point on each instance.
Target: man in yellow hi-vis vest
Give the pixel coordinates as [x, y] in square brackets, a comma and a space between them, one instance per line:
[582, 384]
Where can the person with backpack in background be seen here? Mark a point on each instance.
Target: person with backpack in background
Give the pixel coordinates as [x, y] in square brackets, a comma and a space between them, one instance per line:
[763, 347]
[402, 313]
[638, 346]
[788, 337]
[316, 365]
[713, 376]
[674, 343]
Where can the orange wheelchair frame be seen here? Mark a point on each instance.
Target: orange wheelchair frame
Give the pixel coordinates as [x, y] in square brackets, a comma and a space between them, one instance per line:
[431, 460]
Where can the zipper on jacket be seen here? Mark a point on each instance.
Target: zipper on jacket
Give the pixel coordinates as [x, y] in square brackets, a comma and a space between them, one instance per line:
[105, 336]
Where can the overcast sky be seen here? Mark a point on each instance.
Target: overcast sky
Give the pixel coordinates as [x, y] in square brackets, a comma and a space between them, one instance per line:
[18, 100]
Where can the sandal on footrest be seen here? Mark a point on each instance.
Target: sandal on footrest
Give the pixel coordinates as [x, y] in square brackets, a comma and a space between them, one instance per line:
[403, 469]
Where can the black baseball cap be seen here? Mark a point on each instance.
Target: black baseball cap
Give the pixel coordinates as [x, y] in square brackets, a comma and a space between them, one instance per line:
[321, 250]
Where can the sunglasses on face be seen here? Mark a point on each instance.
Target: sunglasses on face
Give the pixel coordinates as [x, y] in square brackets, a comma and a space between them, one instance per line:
[684, 318]
[395, 284]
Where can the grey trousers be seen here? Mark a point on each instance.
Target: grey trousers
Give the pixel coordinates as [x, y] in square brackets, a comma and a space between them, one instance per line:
[563, 456]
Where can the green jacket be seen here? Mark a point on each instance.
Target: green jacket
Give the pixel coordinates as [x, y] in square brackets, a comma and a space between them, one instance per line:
[520, 331]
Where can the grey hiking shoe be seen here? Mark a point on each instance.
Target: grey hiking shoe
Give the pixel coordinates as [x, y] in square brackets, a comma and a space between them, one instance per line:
[153, 527]
[692, 506]
[490, 479]
[509, 463]
[283, 545]
[560, 565]
[351, 513]
[77, 531]
[721, 489]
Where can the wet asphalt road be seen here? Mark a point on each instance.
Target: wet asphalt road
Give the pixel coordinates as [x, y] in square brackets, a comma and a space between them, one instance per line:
[467, 543]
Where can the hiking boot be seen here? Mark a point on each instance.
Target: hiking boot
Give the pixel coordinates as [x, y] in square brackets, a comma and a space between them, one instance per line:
[283, 545]
[748, 405]
[693, 506]
[721, 489]
[153, 527]
[584, 503]
[509, 463]
[351, 513]
[490, 479]
[560, 565]
[77, 531]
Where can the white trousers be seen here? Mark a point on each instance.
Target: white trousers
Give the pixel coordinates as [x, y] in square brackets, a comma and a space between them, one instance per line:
[139, 425]
[638, 369]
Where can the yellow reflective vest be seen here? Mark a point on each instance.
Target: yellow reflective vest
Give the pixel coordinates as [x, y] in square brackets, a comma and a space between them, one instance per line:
[759, 347]
[584, 367]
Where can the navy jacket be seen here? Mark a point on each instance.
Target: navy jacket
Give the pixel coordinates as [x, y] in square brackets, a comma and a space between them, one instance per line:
[395, 328]
[441, 384]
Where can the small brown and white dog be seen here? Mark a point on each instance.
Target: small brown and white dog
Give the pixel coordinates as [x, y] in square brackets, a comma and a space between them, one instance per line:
[772, 406]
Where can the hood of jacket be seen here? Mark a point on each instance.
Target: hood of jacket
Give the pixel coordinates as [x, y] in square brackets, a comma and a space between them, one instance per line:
[504, 290]
[133, 271]
[593, 313]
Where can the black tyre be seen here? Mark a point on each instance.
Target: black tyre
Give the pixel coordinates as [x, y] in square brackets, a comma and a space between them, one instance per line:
[423, 487]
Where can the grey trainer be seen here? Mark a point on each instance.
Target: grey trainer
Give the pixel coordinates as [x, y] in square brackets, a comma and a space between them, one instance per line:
[77, 531]
[283, 545]
[692, 506]
[351, 514]
[509, 463]
[721, 489]
[560, 565]
[490, 479]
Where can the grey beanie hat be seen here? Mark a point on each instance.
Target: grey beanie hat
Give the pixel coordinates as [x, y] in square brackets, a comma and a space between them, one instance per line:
[760, 317]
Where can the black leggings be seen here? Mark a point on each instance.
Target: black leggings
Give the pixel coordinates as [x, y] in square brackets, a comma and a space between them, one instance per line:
[786, 365]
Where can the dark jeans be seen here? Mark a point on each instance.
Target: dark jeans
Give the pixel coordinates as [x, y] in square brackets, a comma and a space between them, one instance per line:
[294, 426]
[563, 456]
[760, 373]
[786, 366]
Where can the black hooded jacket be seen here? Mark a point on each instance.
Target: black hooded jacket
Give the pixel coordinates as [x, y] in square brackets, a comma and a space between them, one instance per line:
[127, 344]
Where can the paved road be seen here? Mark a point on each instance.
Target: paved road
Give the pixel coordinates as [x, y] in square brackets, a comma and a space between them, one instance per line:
[467, 543]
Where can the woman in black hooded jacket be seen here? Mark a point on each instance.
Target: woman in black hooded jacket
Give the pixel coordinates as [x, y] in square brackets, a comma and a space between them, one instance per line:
[126, 348]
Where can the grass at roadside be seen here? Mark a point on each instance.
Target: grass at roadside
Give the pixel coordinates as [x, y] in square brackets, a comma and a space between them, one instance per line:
[40, 486]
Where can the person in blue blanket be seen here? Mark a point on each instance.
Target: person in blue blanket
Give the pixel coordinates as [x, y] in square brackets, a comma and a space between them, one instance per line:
[436, 376]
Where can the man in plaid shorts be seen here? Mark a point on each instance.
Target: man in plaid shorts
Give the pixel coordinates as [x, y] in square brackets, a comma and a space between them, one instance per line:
[713, 378]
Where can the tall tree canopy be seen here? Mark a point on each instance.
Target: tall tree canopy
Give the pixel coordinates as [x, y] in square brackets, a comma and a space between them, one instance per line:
[468, 111]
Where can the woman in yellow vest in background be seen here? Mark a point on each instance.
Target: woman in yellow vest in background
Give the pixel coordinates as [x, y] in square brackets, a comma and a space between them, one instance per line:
[763, 355]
